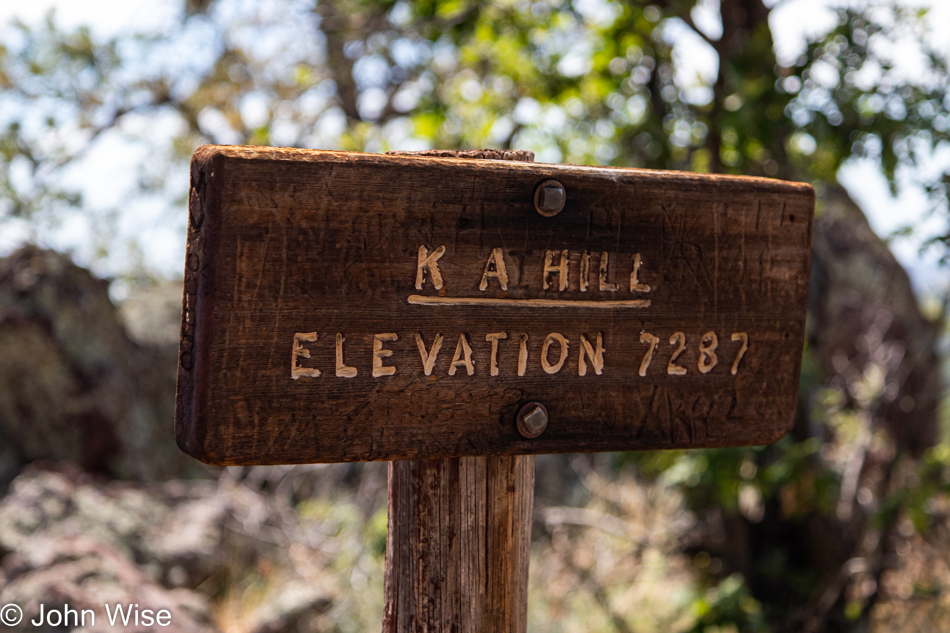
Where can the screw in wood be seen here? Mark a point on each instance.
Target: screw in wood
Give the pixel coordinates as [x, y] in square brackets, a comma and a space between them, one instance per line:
[549, 198]
[532, 420]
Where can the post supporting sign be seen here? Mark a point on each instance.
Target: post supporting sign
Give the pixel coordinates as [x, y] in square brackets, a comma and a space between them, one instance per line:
[355, 307]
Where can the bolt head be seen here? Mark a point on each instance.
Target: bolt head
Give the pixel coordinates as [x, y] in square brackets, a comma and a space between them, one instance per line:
[532, 420]
[549, 198]
[552, 198]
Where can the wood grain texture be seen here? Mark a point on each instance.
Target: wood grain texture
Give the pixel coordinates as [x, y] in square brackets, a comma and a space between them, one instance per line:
[284, 244]
[458, 544]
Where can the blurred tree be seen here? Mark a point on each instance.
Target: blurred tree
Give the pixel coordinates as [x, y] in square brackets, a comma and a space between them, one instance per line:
[592, 81]
[812, 522]
[584, 82]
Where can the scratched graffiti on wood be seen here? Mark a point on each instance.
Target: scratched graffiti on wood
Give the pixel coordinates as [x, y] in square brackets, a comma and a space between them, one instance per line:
[347, 307]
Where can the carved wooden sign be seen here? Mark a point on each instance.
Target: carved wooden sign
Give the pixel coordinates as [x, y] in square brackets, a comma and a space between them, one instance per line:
[351, 307]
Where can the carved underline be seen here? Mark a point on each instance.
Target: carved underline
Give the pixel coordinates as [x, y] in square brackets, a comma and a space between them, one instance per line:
[421, 300]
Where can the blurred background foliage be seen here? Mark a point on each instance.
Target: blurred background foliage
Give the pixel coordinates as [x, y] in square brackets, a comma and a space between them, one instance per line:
[843, 525]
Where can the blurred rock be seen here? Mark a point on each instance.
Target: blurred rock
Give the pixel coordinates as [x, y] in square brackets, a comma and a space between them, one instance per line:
[73, 385]
[86, 575]
[173, 531]
[152, 315]
[867, 331]
[68, 537]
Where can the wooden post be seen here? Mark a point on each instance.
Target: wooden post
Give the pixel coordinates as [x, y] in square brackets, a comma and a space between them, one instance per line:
[459, 539]
[458, 544]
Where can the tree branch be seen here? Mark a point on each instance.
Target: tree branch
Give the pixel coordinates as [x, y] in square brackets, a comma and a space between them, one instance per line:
[688, 20]
[669, 6]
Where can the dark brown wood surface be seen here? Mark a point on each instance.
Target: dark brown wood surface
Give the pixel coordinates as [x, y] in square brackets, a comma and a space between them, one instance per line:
[287, 246]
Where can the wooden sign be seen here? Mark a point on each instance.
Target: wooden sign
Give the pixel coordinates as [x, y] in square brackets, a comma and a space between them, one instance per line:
[352, 307]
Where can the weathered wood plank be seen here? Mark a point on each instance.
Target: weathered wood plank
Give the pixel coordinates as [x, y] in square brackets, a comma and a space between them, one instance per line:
[680, 303]
[458, 545]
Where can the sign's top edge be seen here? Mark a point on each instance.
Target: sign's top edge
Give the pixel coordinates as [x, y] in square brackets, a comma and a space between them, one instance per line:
[206, 153]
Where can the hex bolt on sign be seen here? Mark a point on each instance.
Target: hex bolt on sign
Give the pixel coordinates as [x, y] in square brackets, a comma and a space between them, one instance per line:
[549, 198]
[532, 420]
